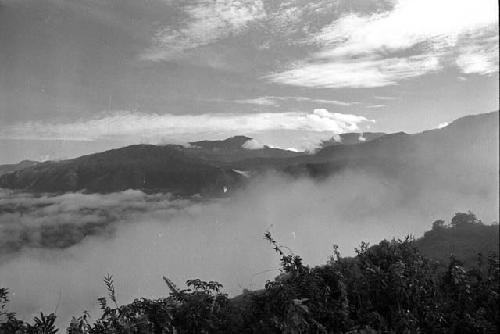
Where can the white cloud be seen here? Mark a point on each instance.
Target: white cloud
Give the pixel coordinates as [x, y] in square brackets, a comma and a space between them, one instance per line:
[385, 98]
[476, 63]
[409, 23]
[153, 128]
[442, 125]
[274, 101]
[412, 39]
[291, 19]
[323, 101]
[359, 73]
[479, 58]
[252, 144]
[376, 106]
[208, 22]
[293, 149]
[261, 101]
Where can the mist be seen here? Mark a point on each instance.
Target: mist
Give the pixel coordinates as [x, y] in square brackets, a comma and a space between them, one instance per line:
[55, 249]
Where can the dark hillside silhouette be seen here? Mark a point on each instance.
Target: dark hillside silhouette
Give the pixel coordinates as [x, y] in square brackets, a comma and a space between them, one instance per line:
[465, 238]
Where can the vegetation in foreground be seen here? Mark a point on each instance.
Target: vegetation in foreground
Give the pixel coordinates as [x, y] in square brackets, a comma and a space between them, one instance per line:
[386, 288]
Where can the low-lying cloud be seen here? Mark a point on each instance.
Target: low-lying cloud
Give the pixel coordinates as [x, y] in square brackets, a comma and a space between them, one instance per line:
[56, 249]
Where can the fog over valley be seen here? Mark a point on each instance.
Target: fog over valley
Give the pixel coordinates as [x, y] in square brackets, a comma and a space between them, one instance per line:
[56, 248]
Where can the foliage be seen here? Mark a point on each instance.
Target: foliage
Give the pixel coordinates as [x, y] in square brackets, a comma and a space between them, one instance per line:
[465, 238]
[386, 288]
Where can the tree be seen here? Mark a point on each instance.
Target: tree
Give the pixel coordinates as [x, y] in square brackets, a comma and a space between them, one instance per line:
[461, 219]
[438, 225]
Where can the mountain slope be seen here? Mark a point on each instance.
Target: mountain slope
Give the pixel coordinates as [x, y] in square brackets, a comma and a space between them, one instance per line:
[4, 169]
[467, 144]
[352, 138]
[148, 167]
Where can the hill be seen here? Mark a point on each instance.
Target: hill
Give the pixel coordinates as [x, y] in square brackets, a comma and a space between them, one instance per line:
[466, 238]
[146, 167]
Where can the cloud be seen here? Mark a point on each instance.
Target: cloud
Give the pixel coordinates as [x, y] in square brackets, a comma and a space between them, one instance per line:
[252, 144]
[442, 125]
[479, 58]
[376, 106]
[261, 101]
[385, 98]
[322, 101]
[274, 101]
[410, 40]
[402, 27]
[359, 73]
[207, 22]
[153, 128]
[57, 222]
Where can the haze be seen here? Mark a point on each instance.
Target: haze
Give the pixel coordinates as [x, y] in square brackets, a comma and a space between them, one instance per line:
[138, 237]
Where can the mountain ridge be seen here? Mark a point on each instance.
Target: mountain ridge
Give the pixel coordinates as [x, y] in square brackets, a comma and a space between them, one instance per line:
[216, 166]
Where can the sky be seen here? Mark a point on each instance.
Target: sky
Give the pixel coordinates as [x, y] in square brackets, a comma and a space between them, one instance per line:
[80, 76]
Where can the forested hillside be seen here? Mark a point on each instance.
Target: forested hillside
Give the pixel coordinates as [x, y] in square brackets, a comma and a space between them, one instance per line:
[466, 238]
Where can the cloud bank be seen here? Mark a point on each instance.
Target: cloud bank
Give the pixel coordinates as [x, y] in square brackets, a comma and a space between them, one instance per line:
[133, 128]
[59, 247]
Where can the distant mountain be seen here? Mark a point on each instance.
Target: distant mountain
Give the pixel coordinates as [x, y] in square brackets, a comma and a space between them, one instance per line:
[469, 144]
[15, 167]
[462, 150]
[146, 167]
[199, 168]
